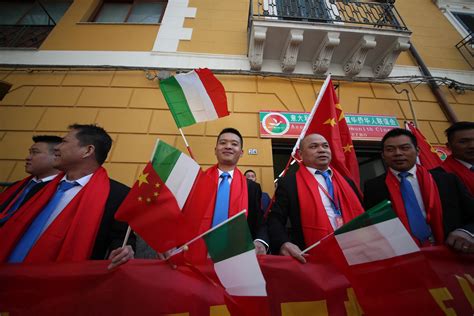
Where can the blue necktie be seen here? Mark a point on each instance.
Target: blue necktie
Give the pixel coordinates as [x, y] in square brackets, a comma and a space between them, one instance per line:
[19, 200]
[472, 168]
[221, 210]
[418, 225]
[327, 179]
[29, 238]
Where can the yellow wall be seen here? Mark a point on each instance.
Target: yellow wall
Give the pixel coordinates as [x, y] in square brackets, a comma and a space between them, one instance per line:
[433, 35]
[73, 33]
[132, 109]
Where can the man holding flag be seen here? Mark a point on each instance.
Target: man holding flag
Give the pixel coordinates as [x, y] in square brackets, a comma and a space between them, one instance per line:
[316, 199]
[234, 192]
[434, 206]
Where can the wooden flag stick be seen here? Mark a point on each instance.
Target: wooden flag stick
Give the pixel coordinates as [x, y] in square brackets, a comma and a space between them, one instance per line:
[186, 143]
[316, 243]
[185, 246]
[127, 235]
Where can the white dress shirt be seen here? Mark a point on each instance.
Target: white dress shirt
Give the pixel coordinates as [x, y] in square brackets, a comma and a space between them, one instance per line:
[466, 164]
[327, 203]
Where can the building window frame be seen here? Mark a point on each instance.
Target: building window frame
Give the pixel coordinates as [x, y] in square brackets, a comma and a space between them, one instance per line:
[449, 8]
[133, 4]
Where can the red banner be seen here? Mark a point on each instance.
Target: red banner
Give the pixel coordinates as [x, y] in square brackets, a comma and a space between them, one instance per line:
[432, 282]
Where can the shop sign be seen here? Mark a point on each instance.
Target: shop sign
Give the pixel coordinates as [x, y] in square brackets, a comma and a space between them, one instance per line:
[290, 125]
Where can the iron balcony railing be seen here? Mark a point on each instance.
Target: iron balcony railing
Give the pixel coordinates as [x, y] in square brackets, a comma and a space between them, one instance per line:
[361, 13]
[466, 48]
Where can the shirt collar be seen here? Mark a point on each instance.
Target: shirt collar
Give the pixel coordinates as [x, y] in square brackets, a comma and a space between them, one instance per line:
[466, 164]
[45, 179]
[231, 172]
[313, 170]
[82, 181]
[412, 171]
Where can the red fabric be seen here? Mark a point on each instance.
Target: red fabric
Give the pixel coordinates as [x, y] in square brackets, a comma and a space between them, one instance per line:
[5, 195]
[431, 200]
[329, 121]
[71, 236]
[215, 89]
[397, 286]
[314, 219]
[466, 175]
[238, 202]
[428, 156]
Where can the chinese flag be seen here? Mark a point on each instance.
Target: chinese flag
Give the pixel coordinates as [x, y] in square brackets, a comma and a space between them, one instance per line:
[427, 156]
[327, 119]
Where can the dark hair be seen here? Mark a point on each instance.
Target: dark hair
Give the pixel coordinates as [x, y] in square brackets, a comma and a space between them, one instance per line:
[92, 134]
[250, 170]
[399, 132]
[51, 140]
[458, 126]
[232, 131]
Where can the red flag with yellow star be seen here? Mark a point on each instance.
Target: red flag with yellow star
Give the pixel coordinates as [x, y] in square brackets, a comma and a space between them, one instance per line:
[166, 199]
[428, 156]
[327, 118]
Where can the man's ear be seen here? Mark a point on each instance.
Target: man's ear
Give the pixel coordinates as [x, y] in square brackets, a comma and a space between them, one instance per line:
[90, 150]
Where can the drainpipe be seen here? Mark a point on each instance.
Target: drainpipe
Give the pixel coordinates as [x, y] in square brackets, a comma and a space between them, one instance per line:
[445, 107]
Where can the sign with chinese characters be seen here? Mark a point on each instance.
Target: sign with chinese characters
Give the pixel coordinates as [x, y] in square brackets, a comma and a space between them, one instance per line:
[290, 125]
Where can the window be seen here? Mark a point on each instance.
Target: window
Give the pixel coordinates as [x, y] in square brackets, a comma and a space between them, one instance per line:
[130, 11]
[32, 12]
[466, 20]
[26, 24]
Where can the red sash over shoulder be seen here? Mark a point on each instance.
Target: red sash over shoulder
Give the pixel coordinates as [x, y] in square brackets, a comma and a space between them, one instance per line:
[466, 175]
[314, 219]
[238, 202]
[71, 236]
[5, 195]
[430, 194]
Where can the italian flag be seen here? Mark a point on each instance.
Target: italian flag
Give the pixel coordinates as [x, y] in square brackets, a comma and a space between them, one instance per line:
[155, 206]
[231, 248]
[193, 97]
[377, 234]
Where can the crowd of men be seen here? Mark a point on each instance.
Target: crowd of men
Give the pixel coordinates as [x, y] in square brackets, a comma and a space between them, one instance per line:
[64, 211]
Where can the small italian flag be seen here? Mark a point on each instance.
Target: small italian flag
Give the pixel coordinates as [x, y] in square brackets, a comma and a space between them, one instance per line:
[231, 248]
[375, 235]
[154, 207]
[193, 97]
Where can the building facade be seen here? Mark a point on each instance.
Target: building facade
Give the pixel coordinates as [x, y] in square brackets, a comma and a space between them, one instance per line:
[92, 61]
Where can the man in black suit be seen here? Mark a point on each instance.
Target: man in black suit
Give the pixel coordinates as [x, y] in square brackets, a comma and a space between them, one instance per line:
[434, 206]
[39, 164]
[228, 151]
[73, 219]
[316, 199]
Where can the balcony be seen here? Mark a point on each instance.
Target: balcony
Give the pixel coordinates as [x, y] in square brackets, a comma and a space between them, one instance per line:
[345, 37]
[466, 48]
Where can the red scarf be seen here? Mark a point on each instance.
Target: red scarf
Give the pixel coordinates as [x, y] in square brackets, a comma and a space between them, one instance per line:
[466, 175]
[238, 202]
[71, 236]
[314, 219]
[11, 190]
[430, 195]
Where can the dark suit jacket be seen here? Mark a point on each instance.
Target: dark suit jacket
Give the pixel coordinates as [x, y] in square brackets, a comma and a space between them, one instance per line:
[457, 203]
[112, 232]
[255, 218]
[287, 206]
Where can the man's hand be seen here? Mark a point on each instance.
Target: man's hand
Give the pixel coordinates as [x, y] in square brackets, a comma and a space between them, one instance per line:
[260, 248]
[119, 256]
[289, 249]
[165, 255]
[461, 241]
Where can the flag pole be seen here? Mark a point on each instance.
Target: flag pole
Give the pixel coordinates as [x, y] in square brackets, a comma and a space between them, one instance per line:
[176, 251]
[127, 235]
[316, 243]
[186, 143]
